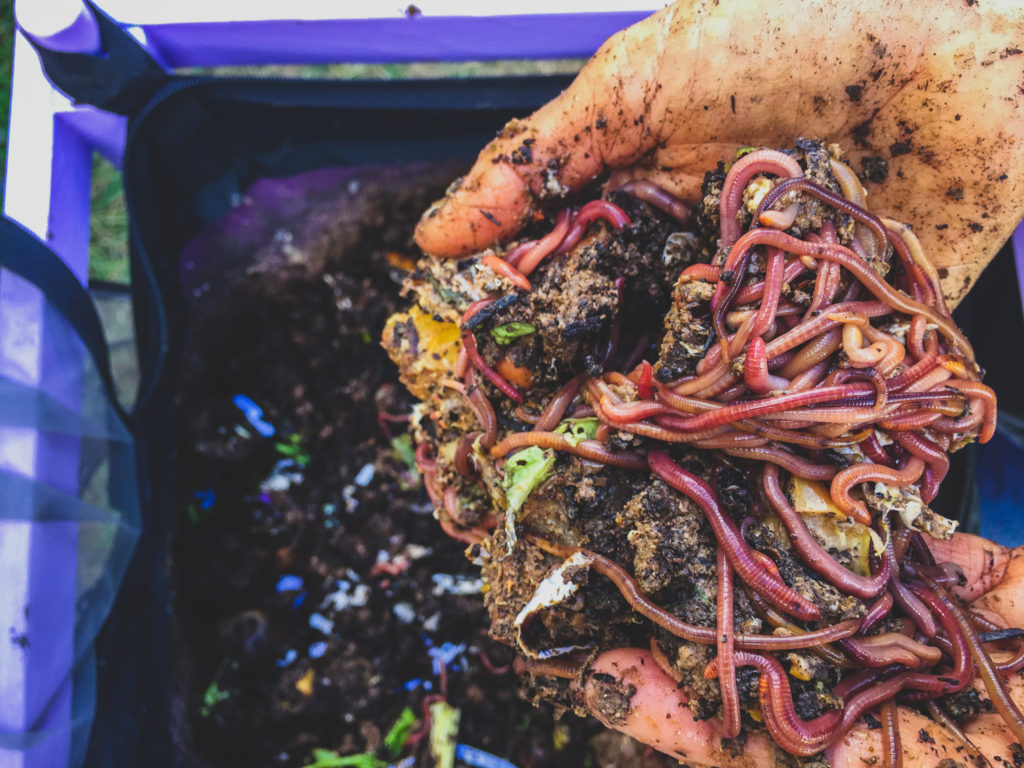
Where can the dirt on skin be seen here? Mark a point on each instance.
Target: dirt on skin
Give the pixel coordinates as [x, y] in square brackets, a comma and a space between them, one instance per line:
[315, 595]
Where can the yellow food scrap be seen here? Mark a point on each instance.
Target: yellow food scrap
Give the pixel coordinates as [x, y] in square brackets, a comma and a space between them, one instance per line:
[560, 736]
[827, 524]
[304, 684]
[812, 498]
[425, 353]
[400, 261]
[755, 715]
[444, 729]
[801, 669]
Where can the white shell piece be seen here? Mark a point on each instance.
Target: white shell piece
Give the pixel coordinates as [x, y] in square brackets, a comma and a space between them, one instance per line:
[557, 587]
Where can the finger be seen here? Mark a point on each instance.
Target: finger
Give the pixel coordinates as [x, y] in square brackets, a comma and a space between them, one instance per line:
[599, 121]
[626, 690]
[925, 743]
[678, 169]
[988, 732]
[984, 562]
[1007, 597]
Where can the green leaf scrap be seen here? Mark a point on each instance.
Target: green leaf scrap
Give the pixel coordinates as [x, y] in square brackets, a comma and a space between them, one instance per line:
[328, 758]
[578, 429]
[213, 696]
[523, 473]
[404, 452]
[509, 332]
[399, 733]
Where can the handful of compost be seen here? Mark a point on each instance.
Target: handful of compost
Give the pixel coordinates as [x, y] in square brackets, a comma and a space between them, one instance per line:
[715, 432]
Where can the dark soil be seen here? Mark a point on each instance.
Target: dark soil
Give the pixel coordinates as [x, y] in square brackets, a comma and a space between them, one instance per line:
[316, 596]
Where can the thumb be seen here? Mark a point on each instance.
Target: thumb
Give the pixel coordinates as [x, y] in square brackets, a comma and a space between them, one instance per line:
[600, 121]
[627, 690]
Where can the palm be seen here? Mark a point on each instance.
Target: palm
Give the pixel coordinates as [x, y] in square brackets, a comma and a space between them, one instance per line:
[934, 90]
[659, 716]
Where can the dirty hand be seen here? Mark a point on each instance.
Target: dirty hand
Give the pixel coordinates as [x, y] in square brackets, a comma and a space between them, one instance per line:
[933, 89]
[657, 713]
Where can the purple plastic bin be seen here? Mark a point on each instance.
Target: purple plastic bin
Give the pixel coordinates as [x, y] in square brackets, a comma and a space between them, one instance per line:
[49, 166]
[48, 179]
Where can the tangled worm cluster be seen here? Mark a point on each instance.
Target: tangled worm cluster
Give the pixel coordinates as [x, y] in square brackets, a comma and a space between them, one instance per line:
[822, 360]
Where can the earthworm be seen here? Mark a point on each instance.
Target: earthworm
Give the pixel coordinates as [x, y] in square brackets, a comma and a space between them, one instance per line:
[877, 611]
[566, 669]
[867, 277]
[469, 344]
[590, 212]
[936, 457]
[548, 244]
[753, 573]
[755, 369]
[776, 456]
[473, 308]
[668, 621]
[650, 192]
[975, 389]
[865, 217]
[796, 736]
[585, 449]
[742, 171]
[906, 599]
[515, 255]
[502, 268]
[873, 450]
[707, 272]
[726, 648]
[947, 722]
[892, 747]
[856, 474]
[753, 292]
[994, 685]
[813, 553]
[555, 410]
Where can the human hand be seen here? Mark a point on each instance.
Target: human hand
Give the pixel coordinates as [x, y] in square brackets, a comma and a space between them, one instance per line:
[657, 713]
[934, 89]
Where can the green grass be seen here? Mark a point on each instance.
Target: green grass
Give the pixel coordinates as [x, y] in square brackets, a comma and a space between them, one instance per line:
[108, 226]
[409, 71]
[6, 54]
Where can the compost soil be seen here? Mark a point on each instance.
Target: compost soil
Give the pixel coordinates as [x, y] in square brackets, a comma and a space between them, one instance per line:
[316, 598]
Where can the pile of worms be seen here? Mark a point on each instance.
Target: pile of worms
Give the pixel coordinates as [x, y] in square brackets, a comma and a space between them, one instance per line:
[872, 366]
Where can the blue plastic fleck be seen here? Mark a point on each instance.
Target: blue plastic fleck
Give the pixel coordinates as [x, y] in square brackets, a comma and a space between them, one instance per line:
[316, 650]
[480, 759]
[321, 623]
[254, 415]
[446, 655]
[205, 497]
[290, 655]
[365, 475]
[289, 583]
[412, 685]
[299, 600]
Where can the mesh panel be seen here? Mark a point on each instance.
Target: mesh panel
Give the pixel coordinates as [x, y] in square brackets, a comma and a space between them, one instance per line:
[69, 520]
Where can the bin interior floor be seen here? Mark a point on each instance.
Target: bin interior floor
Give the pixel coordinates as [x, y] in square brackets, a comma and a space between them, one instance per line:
[316, 597]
